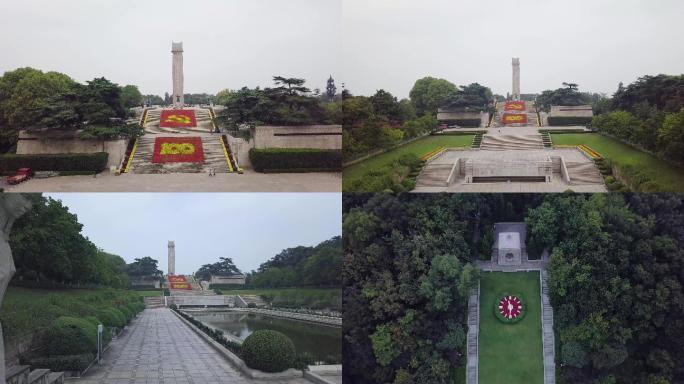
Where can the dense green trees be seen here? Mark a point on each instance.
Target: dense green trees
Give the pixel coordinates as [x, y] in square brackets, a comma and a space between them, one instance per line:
[289, 102]
[32, 99]
[428, 94]
[224, 267]
[615, 278]
[48, 247]
[144, 267]
[568, 95]
[407, 276]
[317, 266]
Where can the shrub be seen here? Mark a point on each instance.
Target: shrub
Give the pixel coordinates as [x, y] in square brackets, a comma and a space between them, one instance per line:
[268, 351]
[70, 336]
[295, 159]
[469, 123]
[251, 305]
[568, 120]
[173, 307]
[95, 162]
[63, 362]
[128, 315]
[112, 317]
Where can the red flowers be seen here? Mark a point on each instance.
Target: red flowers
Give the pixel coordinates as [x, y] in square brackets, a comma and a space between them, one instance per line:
[179, 282]
[510, 307]
[514, 106]
[512, 118]
[174, 118]
[178, 150]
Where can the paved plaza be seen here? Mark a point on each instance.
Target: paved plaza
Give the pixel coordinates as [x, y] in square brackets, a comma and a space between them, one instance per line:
[158, 348]
[250, 181]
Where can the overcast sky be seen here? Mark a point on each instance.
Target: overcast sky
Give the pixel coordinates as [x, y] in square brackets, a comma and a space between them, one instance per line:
[227, 43]
[390, 44]
[250, 228]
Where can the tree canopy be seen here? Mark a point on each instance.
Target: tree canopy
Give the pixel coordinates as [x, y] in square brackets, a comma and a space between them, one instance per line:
[301, 266]
[223, 267]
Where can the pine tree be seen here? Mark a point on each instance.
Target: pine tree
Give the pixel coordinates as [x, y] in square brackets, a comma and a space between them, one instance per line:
[331, 89]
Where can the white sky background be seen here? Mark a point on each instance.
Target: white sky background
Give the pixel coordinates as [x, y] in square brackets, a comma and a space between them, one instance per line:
[250, 228]
[390, 44]
[227, 43]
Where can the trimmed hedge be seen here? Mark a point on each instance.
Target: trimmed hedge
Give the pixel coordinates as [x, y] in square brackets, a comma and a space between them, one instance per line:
[112, 317]
[568, 120]
[295, 159]
[63, 363]
[469, 123]
[70, 336]
[93, 162]
[268, 351]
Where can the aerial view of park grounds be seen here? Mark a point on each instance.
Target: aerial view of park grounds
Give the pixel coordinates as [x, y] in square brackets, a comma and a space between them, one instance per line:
[341, 192]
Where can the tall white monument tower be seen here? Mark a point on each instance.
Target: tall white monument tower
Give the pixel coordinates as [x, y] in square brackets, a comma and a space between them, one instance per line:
[172, 258]
[516, 79]
[177, 51]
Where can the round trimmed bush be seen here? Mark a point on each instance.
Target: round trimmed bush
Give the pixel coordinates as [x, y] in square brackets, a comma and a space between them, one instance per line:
[112, 317]
[268, 351]
[70, 336]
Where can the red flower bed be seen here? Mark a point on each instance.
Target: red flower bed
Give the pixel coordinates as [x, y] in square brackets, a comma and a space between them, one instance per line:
[176, 118]
[514, 106]
[512, 118]
[178, 150]
[177, 279]
[510, 307]
[185, 286]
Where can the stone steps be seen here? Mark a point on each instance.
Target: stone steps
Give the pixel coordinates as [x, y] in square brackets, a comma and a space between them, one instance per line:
[434, 175]
[213, 158]
[254, 299]
[548, 338]
[472, 337]
[583, 173]
[154, 302]
[202, 117]
[508, 142]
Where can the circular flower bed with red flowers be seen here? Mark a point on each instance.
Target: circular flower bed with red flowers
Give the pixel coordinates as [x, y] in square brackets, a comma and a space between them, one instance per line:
[509, 308]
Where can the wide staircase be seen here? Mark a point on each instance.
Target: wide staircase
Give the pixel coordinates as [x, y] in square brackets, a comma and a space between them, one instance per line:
[202, 115]
[530, 111]
[506, 142]
[434, 175]
[257, 300]
[22, 374]
[214, 157]
[547, 332]
[196, 290]
[583, 173]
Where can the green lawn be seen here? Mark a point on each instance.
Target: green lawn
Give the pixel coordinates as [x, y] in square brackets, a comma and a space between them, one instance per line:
[510, 353]
[664, 174]
[149, 293]
[418, 147]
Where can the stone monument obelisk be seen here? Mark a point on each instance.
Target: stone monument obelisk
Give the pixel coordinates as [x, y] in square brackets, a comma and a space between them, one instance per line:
[177, 51]
[516, 79]
[12, 206]
[172, 258]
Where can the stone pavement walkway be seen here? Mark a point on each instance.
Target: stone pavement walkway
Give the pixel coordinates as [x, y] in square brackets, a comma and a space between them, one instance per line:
[158, 348]
[250, 181]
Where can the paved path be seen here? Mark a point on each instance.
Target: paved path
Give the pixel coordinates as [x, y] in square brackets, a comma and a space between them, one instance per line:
[159, 348]
[472, 366]
[250, 181]
[548, 340]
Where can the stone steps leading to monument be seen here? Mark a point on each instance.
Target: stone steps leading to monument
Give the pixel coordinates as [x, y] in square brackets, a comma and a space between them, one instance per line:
[154, 302]
[214, 157]
[507, 142]
[548, 340]
[583, 173]
[202, 116]
[434, 175]
[257, 300]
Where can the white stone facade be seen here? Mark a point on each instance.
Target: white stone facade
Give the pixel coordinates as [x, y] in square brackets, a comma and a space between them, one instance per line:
[177, 51]
[172, 258]
[510, 250]
[516, 78]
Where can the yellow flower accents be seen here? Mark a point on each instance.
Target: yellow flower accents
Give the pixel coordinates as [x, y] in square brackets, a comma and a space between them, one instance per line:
[177, 149]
